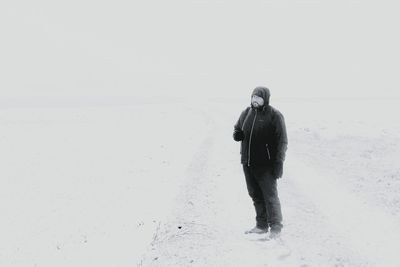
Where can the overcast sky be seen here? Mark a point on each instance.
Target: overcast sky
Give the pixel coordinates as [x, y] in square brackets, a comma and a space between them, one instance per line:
[194, 48]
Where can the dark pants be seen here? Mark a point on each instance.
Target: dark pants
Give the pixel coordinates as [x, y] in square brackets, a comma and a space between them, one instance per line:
[262, 188]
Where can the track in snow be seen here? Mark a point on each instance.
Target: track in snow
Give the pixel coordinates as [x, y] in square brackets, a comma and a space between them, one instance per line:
[324, 225]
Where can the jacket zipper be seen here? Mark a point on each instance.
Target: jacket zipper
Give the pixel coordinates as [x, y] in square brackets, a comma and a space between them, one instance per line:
[269, 156]
[251, 133]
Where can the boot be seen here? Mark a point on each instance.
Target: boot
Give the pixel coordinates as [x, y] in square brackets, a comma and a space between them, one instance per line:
[275, 232]
[257, 230]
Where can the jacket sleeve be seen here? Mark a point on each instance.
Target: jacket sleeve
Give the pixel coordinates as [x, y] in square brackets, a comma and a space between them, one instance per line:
[281, 137]
[238, 127]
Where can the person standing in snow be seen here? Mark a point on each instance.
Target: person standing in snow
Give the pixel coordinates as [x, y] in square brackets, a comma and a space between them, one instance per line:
[262, 132]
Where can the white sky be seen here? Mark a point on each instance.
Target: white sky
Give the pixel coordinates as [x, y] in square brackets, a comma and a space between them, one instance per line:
[196, 48]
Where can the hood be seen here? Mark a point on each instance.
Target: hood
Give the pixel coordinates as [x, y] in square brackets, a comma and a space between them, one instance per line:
[262, 92]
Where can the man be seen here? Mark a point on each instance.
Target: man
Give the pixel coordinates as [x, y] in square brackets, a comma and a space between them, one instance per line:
[262, 132]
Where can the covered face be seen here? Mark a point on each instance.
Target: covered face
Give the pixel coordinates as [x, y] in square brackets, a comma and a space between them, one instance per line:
[257, 101]
[260, 96]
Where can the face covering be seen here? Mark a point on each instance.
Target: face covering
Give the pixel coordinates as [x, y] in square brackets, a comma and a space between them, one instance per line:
[257, 101]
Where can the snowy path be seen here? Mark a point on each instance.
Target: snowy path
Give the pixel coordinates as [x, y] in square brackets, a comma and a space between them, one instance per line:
[365, 230]
[207, 226]
[161, 185]
[324, 223]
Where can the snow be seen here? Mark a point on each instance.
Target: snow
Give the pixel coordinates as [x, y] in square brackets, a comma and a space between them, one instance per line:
[82, 182]
[159, 183]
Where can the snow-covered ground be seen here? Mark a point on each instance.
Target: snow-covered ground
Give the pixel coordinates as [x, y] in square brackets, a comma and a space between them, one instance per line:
[159, 183]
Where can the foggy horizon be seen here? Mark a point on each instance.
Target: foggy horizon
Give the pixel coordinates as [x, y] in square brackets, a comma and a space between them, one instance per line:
[212, 48]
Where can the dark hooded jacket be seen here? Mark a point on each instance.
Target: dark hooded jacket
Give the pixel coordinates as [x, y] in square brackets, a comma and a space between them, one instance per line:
[262, 133]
